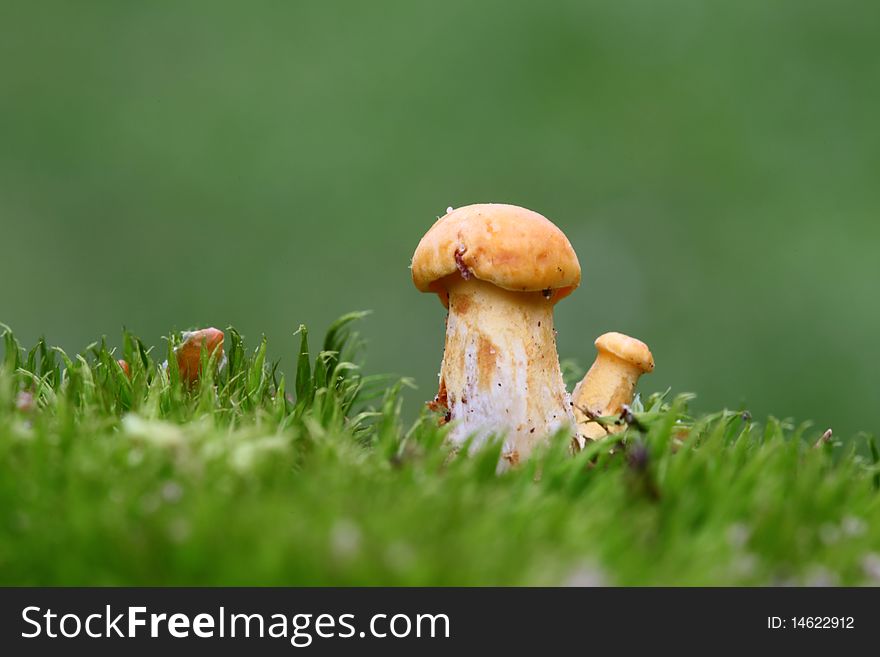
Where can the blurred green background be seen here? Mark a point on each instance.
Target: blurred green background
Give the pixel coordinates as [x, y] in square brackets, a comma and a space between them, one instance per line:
[715, 165]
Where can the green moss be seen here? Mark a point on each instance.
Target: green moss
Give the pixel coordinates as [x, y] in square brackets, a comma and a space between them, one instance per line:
[107, 480]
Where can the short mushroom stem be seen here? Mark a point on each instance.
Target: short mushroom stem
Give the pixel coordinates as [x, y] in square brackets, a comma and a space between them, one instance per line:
[500, 371]
[610, 384]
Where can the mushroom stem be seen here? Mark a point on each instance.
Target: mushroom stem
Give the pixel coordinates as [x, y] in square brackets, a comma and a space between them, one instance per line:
[500, 372]
[610, 384]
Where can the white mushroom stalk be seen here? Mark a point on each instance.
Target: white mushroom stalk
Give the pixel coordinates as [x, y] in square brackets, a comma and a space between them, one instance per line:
[500, 270]
[610, 384]
[500, 372]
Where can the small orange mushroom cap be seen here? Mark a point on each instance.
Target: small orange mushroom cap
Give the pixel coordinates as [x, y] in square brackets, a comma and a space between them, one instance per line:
[633, 351]
[189, 353]
[126, 369]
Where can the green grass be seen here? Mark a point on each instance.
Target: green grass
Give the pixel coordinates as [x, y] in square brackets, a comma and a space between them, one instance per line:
[255, 478]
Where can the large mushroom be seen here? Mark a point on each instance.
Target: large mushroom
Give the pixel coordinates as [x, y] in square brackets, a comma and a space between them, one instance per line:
[500, 270]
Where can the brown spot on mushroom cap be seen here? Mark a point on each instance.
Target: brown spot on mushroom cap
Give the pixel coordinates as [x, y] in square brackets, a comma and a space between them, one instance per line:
[463, 269]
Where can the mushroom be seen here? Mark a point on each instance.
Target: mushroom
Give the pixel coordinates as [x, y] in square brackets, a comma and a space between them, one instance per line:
[126, 369]
[610, 384]
[189, 352]
[500, 270]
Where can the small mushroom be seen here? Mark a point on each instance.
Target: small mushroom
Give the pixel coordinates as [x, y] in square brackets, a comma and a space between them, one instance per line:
[189, 352]
[124, 366]
[610, 384]
[500, 270]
